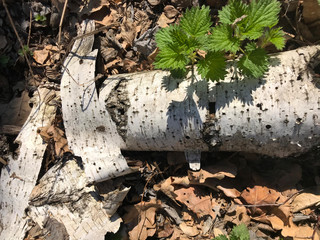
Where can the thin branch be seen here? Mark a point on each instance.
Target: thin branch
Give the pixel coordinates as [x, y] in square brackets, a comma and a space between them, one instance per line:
[30, 25]
[61, 20]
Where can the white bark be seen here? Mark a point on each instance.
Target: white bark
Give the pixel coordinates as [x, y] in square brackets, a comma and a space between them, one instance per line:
[65, 195]
[20, 175]
[276, 115]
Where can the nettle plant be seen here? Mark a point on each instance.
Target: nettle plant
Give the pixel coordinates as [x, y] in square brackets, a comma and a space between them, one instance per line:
[243, 32]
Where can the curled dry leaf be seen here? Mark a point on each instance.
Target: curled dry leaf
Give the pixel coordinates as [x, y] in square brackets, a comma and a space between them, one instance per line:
[170, 11]
[218, 171]
[305, 200]
[163, 21]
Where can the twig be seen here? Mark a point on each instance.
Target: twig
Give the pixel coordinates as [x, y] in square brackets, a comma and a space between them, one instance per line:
[61, 20]
[30, 24]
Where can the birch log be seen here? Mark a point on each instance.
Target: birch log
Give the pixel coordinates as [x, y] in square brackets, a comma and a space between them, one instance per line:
[277, 115]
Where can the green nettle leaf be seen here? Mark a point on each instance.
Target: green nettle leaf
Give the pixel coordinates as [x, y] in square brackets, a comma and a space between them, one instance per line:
[221, 237]
[163, 36]
[255, 63]
[222, 39]
[261, 14]
[213, 66]
[276, 37]
[171, 57]
[233, 11]
[196, 21]
[240, 232]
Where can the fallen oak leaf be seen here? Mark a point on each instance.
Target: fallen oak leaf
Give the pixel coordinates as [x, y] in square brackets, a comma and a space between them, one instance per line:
[196, 201]
[261, 198]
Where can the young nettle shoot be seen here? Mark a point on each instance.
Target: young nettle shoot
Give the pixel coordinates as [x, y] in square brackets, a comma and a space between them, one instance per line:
[243, 32]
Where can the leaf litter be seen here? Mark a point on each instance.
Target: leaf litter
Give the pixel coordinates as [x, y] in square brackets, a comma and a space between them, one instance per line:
[273, 198]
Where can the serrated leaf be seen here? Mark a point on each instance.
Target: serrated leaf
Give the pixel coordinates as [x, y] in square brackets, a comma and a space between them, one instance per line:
[221, 237]
[213, 66]
[240, 232]
[196, 21]
[164, 36]
[233, 11]
[261, 14]
[222, 39]
[254, 63]
[172, 56]
[276, 37]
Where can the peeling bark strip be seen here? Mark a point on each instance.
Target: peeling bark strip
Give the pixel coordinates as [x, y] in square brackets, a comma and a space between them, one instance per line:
[90, 130]
[20, 175]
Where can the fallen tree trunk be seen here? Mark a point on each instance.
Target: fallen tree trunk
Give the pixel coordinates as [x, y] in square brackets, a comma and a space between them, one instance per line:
[277, 115]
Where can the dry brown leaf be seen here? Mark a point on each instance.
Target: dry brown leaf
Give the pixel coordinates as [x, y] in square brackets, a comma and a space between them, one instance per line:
[41, 56]
[219, 171]
[52, 48]
[177, 234]
[196, 201]
[163, 21]
[104, 16]
[299, 232]
[237, 214]
[113, 63]
[168, 185]
[52, 134]
[230, 192]
[304, 200]
[142, 21]
[128, 32]
[170, 11]
[129, 65]
[261, 195]
[154, 2]
[190, 231]
[144, 215]
[166, 231]
[274, 221]
[217, 232]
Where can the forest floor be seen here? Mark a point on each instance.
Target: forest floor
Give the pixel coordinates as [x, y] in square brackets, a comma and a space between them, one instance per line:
[274, 198]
